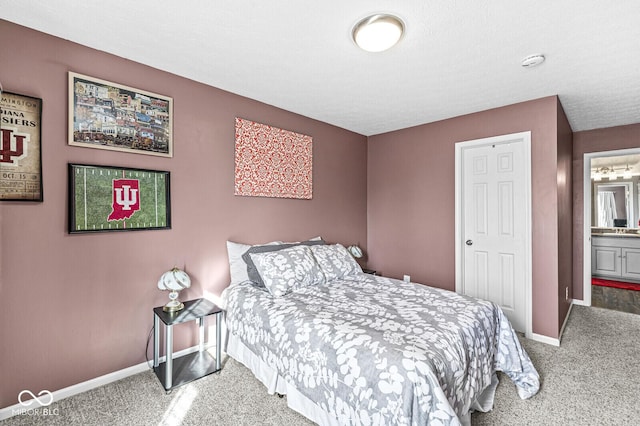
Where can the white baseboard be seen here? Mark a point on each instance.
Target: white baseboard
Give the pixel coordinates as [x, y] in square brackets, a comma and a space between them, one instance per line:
[566, 318]
[579, 302]
[550, 340]
[76, 389]
[545, 339]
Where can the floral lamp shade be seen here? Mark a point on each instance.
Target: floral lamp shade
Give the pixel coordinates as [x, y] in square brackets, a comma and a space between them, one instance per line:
[174, 281]
[355, 251]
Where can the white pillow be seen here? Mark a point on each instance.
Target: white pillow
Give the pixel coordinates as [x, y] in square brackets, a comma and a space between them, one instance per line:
[237, 267]
[336, 261]
[285, 270]
[318, 238]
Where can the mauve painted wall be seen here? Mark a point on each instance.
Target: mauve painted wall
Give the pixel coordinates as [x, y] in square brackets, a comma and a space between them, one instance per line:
[599, 140]
[75, 307]
[411, 202]
[565, 215]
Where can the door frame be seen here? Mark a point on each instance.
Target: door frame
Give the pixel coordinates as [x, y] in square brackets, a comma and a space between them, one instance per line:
[521, 137]
[586, 217]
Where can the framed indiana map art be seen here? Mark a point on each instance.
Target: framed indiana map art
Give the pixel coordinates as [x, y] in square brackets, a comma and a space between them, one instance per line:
[20, 148]
[106, 198]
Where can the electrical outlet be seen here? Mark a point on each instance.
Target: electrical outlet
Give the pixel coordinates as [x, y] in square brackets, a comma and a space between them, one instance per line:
[566, 293]
[406, 278]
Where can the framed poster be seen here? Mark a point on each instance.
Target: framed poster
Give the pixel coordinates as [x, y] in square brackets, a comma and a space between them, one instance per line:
[111, 116]
[105, 198]
[20, 148]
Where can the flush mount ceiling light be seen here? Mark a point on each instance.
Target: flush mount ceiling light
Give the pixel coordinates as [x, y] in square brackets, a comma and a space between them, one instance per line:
[532, 61]
[377, 33]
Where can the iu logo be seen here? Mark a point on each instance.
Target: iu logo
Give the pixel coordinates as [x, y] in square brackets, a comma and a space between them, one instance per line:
[126, 199]
[13, 146]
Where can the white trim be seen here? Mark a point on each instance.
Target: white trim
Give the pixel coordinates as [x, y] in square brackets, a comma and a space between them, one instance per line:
[545, 339]
[524, 137]
[579, 302]
[586, 229]
[550, 340]
[78, 388]
[586, 217]
[566, 318]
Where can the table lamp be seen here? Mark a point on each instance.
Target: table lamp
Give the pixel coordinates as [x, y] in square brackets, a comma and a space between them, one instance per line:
[355, 251]
[174, 281]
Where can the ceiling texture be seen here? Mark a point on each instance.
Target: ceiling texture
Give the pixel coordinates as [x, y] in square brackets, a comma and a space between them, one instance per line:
[456, 57]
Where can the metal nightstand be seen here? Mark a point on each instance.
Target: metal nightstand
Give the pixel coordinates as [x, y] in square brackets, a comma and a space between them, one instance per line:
[176, 372]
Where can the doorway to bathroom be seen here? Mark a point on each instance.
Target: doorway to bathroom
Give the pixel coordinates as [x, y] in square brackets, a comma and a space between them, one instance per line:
[612, 230]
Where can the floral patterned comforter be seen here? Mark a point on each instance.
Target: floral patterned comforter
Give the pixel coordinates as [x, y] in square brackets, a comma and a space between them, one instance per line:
[372, 350]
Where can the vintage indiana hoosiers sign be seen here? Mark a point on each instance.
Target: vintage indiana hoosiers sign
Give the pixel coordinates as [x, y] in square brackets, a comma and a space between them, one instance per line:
[20, 148]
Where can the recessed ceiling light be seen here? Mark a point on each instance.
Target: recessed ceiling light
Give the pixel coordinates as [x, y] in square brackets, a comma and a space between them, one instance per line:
[377, 33]
[532, 61]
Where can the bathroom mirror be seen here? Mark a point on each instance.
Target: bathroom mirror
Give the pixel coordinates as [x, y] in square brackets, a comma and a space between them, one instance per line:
[615, 196]
[615, 205]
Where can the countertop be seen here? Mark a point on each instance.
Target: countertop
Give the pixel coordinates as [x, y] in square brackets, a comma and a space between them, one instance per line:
[615, 235]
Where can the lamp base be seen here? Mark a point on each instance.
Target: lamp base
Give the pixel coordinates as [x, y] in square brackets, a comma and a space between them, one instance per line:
[174, 304]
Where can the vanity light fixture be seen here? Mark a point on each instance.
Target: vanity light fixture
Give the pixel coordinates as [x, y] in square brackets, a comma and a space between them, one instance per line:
[627, 173]
[377, 33]
[607, 172]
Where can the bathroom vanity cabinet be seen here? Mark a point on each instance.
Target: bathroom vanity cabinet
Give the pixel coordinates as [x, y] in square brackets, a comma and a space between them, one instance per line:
[616, 257]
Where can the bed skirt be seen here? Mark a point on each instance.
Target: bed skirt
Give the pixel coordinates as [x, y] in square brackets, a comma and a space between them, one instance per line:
[276, 384]
[303, 405]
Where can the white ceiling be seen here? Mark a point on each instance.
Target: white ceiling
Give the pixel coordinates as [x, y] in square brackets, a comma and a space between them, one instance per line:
[457, 57]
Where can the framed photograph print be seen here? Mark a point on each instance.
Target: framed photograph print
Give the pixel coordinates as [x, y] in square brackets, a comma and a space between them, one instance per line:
[20, 148]
[106, 198]
[111, 116]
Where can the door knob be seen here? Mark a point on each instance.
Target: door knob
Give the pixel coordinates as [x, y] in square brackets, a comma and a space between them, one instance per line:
[469, 242]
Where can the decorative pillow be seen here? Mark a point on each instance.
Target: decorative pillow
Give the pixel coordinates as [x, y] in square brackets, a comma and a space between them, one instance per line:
[336, 261]
[237, 266]
[253, 273]
[285, 270]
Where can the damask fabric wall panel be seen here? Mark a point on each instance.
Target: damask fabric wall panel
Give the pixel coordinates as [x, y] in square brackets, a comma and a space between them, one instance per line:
[372, 350]
[271, 162]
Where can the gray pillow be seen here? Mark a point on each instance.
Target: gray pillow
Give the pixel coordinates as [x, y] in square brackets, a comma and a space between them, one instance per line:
[252, 272]
[288, 269]
[237, 267]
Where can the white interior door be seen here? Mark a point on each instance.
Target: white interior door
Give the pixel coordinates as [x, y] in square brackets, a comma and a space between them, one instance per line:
[494, 228]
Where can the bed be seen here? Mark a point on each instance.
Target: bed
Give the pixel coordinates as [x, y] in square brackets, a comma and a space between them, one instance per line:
[353, 348]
